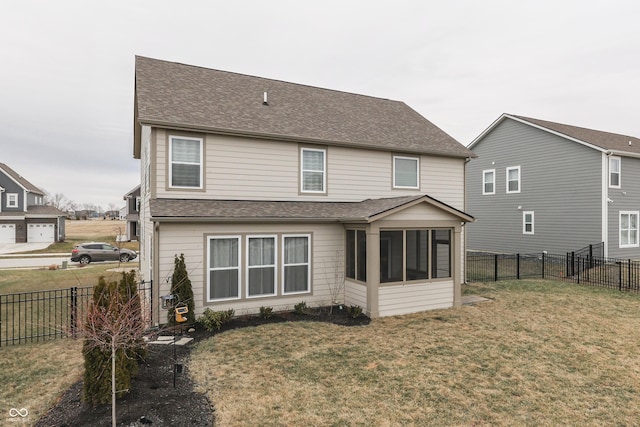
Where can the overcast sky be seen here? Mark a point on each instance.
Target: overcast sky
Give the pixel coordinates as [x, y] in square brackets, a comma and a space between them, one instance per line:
[67, 68]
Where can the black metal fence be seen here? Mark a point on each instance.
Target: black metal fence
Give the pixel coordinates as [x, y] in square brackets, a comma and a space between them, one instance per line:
[623, 275]
[43, 315]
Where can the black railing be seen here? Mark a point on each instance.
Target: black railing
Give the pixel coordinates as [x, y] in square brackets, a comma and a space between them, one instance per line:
[611, 273]
[43, 315]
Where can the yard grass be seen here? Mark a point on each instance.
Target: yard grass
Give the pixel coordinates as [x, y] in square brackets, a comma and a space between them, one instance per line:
[540, 353]
[34, 375]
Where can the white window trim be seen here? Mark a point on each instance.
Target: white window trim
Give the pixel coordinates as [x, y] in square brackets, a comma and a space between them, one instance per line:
[10, 197]
[201, 164]
[308, 264]
[519, 179]
[417, 159]
[484, 172]
[274, 265]
[619, 171]
[210, 269]
[524, 222]
[303, 170]
[637, 242]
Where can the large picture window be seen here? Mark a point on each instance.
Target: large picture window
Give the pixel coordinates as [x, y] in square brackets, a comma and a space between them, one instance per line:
[406, 172]
[356, 259]
[628, 229]
[313, 170]
[185, 162]
[224, 268]
[408, 255]
[296, 255]
[261, 266]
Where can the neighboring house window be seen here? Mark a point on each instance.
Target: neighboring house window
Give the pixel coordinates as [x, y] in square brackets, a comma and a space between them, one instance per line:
[513, 179]
[489, 181]
[224, 268]
[296, 256]
[356, 255]
[527, 222]
[313, 170]
[261, 266]
[628, 229]
[614, 172]
[12, 200]
[185, 162]
[406, 172]
[138, 204]
[405, 255]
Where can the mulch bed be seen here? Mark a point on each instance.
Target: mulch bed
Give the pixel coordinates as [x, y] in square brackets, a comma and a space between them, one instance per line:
[153, 399]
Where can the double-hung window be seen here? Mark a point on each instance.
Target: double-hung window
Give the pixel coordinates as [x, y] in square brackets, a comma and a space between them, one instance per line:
[296, 266]
[489, 181]
[527, 222]
[224, 268]
[313, 168]
[185, 162]
[12, 200]
[629, 229]
[615, 167]
[513, 179]
[406, 172]
[261, 266]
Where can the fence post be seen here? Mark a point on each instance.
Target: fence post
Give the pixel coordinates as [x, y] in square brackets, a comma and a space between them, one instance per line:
[74, 310]
[543, 265]
[495, 268]
[578, 275]
[573, 263]
[629, 273]
[518, 266]
[620, 275]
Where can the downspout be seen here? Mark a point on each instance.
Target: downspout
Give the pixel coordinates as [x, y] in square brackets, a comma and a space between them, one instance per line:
[605, 202]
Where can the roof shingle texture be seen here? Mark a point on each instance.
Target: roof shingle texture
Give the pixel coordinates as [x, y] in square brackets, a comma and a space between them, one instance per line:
[173, 94]
[606, 140]
[22, 181]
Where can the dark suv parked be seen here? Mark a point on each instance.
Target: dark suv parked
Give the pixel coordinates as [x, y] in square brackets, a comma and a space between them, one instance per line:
[98, 251]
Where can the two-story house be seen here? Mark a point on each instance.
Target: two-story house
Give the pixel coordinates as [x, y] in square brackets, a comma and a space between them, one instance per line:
[23, 215]
[132, 213]
[543, 186]
[277, 192]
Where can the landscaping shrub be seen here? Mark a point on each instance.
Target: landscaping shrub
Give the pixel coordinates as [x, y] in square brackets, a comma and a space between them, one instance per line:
[266, 312]
[213, 320]
[354, 311]
[300, 308]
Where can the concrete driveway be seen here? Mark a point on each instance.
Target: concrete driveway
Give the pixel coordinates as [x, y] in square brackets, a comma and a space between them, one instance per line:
[10, 248]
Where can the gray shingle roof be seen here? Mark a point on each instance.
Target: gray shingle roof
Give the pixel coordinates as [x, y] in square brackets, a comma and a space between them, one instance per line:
[20, 180]
[244, 210]
[606, 140]
[44, 210]
[178, 95]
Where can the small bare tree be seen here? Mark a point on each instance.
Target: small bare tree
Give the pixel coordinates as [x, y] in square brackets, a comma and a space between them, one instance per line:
[113, 325]
[334, 276]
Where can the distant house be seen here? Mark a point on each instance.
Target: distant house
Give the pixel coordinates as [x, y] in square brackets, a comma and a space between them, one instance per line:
[23, 215]
[278, 193]
[543, 186]
[132, 210]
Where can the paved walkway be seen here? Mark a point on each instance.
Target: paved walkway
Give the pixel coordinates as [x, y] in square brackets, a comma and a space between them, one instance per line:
[10, 248]
[169, 339]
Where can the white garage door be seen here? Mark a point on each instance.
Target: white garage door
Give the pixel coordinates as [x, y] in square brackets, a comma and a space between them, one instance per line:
[7, 233]
[40, 233]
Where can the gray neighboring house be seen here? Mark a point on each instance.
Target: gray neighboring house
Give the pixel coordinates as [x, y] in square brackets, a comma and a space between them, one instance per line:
[543, 186]
[278, 193]
[23, 215]
[132, 215]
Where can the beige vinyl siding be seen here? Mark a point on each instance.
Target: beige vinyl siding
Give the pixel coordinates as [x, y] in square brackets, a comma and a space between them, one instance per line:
[396, 300]
[355, 294]
[253, 169]
[422, 212]
[146, 226]
[191, 240]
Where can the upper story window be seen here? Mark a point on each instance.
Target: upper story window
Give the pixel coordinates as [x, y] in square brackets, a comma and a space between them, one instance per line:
[527, 222]
[313, 167]
[629, 229]
[406, 172]
[12, 200]
[138, 203]
[185, 162]
[489, 181]
[615, 167]
[513, 179]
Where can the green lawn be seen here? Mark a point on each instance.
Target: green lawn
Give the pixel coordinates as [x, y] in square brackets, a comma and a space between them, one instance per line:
[540, 353]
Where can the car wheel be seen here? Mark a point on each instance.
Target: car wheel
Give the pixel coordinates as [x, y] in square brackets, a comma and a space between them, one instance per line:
[85, 259]
[124, 258]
